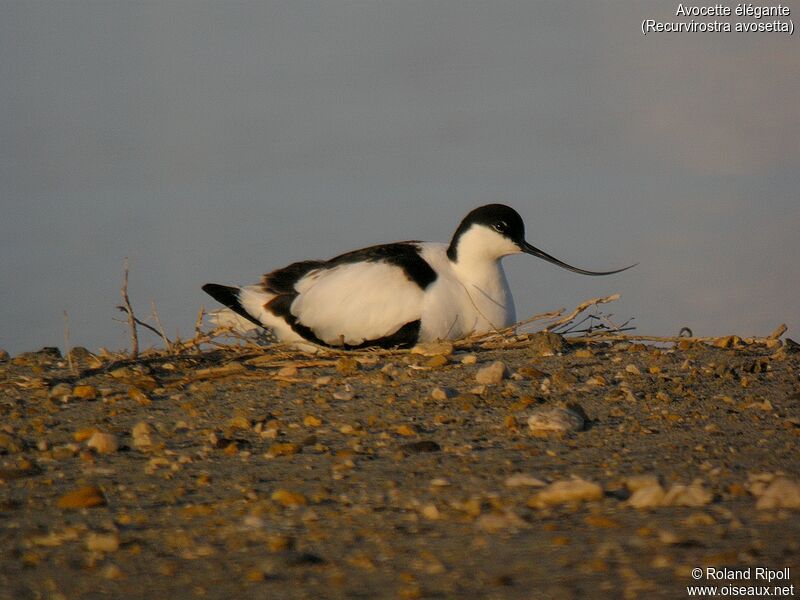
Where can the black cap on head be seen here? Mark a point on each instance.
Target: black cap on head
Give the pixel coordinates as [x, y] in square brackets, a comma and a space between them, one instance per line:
[503, 219]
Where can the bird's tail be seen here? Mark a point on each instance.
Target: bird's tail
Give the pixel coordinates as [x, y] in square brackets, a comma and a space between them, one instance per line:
[230, 296]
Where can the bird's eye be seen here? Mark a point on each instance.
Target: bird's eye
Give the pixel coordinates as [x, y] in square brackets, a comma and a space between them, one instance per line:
[500, 226]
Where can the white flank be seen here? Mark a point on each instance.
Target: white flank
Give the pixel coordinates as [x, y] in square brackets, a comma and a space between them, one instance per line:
[357, 301]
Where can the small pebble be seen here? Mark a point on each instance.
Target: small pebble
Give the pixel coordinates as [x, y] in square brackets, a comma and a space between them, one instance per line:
[555, 420]
[650, 494]
[495, 522]
[102, 542]
[569, 491]
[437, 362]
[85, 392]
[60, 390]
[11, 443]
[781, 493]
[287, 371]
[545, 343]
[523, 480]
[283, 450]
[66, 451]
[142, 435]
[346, 365]
[469, 359]
[238, 422]
[84, 434]
[312, 421]
[647, 496]
[492, 374]
[279, 543]
[442, 393]
[287, 498]
[138, 396]
[56, 538]
[112, 572]
[85, 497]
[433, 349]
[687, 495]
[103, 443]
[122, 373]
[699, 519]
[430, 512]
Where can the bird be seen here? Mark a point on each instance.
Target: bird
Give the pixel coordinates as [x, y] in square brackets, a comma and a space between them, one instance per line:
[394, 295]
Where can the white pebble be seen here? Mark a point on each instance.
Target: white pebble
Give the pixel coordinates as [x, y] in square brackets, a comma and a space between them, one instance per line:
[781, 493]
[491, 374]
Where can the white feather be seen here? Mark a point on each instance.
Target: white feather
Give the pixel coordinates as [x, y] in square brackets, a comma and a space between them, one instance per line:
[467, 297]
[357, 301]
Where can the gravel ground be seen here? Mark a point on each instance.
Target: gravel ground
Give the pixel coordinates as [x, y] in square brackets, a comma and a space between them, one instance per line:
[228, 474]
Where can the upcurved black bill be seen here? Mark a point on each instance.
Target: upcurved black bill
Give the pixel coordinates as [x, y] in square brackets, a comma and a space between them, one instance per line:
[527, 248]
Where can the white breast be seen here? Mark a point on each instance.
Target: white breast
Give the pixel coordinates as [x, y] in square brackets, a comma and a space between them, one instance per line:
[465, 298]
[357, 302]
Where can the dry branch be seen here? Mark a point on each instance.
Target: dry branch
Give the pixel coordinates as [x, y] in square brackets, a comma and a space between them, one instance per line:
[164, 337]
[579, 309]
[132, 320]
[721, 340]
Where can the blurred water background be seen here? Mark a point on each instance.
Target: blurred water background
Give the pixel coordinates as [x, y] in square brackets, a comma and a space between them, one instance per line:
[214, 141]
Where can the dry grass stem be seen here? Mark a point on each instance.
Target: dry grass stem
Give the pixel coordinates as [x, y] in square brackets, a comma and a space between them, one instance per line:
[132, 320]
[198, 323]
[156, 318]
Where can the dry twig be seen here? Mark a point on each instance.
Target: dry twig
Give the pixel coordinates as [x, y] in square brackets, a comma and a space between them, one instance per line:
[579, 309]
[132, 320]
[164, 337]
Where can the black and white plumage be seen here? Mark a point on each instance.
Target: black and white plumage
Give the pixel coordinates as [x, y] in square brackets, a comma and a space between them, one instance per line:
[394, 295]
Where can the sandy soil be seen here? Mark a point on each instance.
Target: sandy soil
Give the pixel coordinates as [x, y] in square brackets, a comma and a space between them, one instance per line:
[229, 474]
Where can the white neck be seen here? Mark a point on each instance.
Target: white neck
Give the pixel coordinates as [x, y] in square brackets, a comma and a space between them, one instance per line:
[478, 267]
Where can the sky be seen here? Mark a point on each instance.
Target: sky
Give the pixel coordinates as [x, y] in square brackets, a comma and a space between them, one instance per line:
[216, 141]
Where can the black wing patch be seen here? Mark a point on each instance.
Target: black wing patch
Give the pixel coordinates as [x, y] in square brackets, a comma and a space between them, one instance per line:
[401, 254]
[281, 281]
